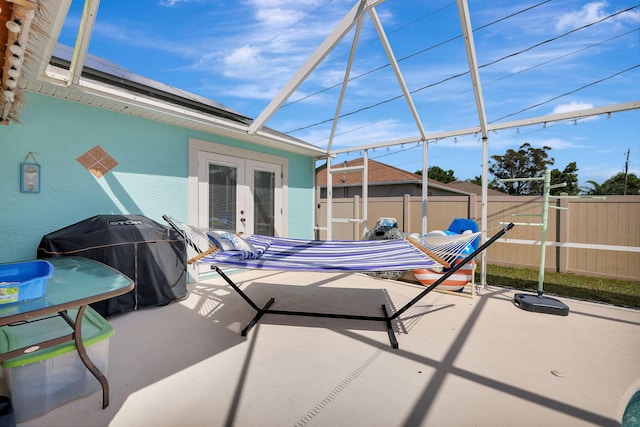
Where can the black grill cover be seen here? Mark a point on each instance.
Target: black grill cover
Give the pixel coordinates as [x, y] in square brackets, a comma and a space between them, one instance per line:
[152, 255]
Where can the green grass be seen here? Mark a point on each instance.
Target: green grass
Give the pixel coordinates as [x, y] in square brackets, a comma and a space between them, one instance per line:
[609, 291]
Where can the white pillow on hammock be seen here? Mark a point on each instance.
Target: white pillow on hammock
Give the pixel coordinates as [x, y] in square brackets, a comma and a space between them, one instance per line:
[236, 247]
[228, 241]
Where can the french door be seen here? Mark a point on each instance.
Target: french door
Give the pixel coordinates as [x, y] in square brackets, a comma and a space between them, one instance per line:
[239, 195]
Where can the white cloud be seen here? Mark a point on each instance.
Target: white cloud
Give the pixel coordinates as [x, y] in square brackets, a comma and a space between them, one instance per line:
[172, 3]
[356, 134]
[556, 144]
[590, 12]
[276, 38]
[247, 91]
[575, 106]
[240, 60]
[572, 106]
[142, 36]
[278, 18]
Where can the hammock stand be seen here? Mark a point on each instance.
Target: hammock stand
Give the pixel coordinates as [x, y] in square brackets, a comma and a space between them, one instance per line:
[385, 317]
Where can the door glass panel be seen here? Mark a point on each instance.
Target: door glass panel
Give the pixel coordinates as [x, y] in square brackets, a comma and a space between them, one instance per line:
[223, 182]
[264, 184]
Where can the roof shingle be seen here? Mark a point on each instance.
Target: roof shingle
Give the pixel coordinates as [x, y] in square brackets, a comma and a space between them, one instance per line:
[377, 173]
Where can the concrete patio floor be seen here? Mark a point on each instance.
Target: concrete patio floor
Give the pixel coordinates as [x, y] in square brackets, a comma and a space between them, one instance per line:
[460, 361]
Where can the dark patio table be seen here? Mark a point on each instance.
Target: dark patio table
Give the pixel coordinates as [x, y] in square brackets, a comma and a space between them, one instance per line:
[76, 283]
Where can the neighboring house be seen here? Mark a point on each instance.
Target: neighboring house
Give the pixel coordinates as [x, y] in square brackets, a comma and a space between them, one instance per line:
[383, 180]
[107, 141]
[471, 188]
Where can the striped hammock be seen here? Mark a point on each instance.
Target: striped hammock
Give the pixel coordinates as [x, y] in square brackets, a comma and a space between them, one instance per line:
[280, 253]
[448, 248]
[333, 255]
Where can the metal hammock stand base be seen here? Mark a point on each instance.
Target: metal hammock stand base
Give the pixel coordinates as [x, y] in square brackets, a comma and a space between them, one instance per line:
[385, 317]
[541, 304]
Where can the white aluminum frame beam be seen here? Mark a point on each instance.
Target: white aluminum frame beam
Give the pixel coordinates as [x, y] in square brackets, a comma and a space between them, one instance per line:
[338, 33]
[396, 69]
[550, 118]
[345, 81]
[467, 32]
[89, 12]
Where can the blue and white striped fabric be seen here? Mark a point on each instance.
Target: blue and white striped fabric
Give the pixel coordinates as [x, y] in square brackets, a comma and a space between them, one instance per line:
[333, 255]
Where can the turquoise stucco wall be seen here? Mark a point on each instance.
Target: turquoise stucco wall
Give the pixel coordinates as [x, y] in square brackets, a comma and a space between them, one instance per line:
[150, 179]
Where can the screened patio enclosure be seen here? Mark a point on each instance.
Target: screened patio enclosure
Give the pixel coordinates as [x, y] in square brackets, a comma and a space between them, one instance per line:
[352, 23]
[365, 24]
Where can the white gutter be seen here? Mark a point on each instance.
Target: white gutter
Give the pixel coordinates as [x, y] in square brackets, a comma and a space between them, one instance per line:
[220, 126]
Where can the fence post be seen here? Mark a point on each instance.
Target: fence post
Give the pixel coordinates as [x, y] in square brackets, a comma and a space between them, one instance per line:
[357, 233]
[563, 234]
[406, 213]
[471, 209]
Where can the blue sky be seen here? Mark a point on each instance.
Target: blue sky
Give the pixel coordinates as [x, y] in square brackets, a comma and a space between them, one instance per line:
[537, 57]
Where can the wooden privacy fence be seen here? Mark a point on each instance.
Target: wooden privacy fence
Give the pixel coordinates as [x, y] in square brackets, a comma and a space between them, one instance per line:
[591, 237]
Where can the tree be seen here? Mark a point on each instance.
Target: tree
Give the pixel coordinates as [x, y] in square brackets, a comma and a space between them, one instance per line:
[527, 162]
[493, 184]
[616, 184]
[569, 176]
[595, 188]
[477, 180]
[439, 174]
